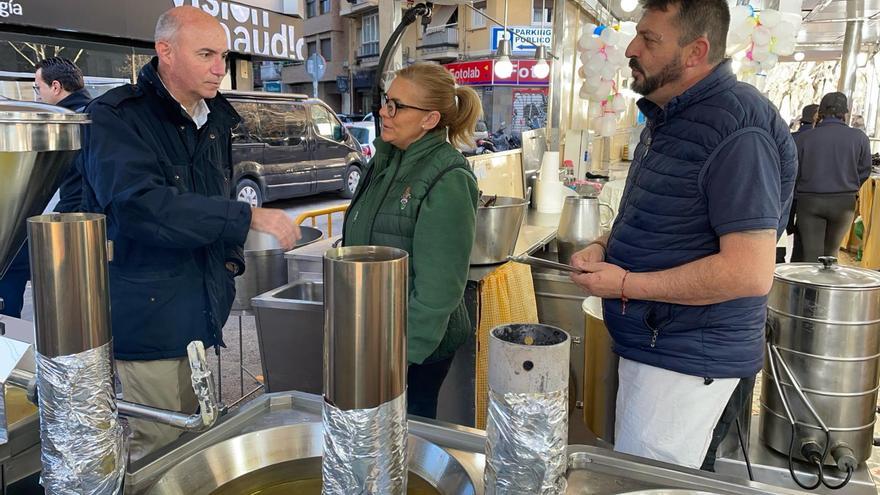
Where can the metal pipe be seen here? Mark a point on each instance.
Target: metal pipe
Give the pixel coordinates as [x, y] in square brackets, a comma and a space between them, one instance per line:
[365, 298]
[70, 281]
[364, 414]
[81, 438]
[852, 41]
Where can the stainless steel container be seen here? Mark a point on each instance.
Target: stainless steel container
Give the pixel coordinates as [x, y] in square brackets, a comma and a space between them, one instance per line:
[365, 300]
[600, 372]
[265, 266]
[290, 329]
[824, 324]
[37, 143]
[497, 229]
[580, 224]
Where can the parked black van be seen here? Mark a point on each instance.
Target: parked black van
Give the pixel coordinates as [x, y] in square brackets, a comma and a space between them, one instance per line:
[290, 145]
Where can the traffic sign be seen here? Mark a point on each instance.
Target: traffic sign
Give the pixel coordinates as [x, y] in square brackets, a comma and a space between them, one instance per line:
[315, 66]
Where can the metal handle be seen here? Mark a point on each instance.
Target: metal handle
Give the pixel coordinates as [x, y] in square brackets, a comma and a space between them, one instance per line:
[828, 262]
[607, 224]
[541, 263]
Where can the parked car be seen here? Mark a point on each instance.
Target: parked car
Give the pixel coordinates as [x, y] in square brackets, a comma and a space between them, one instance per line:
[365, 133]
[348, 118]
[290, 145]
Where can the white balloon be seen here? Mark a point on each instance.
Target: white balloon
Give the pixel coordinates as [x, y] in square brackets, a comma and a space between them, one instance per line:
[619, 104]
[784, 30]
[609, 36]
[585, 92]
[595, 110]
[611, 52]
[771, 61]
[784, 47]
[609, 71]
[607, 125]
[628, 28]
[595, 44]
[761, 36]
[593, 80]
[588, 29]
[584, 43]
[604, 89]
[760, 53]
[770, 18]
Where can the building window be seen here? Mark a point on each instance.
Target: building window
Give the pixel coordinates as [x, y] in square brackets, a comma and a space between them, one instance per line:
[478, 21]
[311, 48]
[370, 35]
[311, 8]
[326, 49]
[325, 6]
[540, 15]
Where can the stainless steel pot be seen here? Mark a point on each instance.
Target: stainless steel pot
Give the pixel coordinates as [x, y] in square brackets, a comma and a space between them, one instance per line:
[580, 224]
[498, 227]
[265, 266]
[824, 346]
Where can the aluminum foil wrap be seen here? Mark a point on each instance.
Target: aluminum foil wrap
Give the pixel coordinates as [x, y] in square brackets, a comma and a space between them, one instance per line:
[82, 443]
[365, 449]
[527, 438]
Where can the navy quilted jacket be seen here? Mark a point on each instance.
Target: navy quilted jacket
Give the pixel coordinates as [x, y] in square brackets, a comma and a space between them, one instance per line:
[717, 159]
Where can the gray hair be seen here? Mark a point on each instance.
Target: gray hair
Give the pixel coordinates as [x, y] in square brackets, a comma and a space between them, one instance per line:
[167, 26]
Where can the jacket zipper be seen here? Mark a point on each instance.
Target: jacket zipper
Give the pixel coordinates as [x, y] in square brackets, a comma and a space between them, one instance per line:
[635, 178]
[654, 333]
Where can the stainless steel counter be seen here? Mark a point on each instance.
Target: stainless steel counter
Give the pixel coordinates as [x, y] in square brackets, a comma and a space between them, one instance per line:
[592, 469]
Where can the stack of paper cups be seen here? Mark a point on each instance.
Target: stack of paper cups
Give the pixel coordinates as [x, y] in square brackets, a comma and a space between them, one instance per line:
[548, 187]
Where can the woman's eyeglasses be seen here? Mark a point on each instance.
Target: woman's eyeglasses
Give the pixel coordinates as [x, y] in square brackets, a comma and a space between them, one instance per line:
[392, 106]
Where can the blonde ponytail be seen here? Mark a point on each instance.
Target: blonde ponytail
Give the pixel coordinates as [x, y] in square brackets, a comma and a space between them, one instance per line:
[460, 107]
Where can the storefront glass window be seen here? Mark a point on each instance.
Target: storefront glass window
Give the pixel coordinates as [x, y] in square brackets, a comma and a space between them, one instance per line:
[104, 66]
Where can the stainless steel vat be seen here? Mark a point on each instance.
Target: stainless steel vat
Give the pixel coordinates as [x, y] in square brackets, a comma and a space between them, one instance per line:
[247, 463]
[265, 266]
[37, 143]
[365, 300]
[824, 324]
[497, 229]
[600, 372]
[290, 329]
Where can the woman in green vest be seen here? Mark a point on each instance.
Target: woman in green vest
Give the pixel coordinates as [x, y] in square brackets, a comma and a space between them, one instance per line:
[418, 194]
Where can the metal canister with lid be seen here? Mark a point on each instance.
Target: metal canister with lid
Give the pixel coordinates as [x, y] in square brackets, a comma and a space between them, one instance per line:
[822, 366]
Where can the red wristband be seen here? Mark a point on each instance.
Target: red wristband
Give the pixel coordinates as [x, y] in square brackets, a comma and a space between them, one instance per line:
[623, 298]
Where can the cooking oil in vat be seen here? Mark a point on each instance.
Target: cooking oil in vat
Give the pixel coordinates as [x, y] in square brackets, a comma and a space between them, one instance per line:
[18, 406]
[301, 477]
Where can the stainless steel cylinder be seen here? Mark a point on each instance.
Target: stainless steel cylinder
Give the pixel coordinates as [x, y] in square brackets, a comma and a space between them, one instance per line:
[527, 425]
[70, 282]
[365, 300]
[824, 320]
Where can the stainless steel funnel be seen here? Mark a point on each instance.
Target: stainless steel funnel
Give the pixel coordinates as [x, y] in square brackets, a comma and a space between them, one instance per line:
[37, 143]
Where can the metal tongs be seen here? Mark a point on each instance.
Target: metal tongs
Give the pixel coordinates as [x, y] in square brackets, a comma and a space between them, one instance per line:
[542, 263]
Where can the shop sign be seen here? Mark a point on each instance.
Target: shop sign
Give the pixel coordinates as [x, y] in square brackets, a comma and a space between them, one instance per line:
[477, 72]
[342, 84]
[250, 30]
[10, 8]
[523, 74]
[537, 35]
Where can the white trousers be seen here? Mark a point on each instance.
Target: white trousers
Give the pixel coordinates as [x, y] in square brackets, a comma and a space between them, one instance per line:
[667, 416]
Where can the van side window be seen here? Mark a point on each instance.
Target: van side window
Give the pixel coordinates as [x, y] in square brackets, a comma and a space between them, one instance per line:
[326, 124]
[248, 130]
[282, 124]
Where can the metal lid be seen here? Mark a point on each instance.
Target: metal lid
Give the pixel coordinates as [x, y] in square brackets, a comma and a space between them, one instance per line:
[16, 112]
[827, 273]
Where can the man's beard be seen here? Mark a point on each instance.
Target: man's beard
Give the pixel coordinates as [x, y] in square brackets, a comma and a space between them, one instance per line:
[670, 73]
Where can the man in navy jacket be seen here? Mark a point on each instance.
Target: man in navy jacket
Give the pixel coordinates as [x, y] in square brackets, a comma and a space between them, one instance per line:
[685, 272]
[157, 163]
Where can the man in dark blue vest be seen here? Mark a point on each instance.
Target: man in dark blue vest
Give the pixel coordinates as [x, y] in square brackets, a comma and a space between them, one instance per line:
[686, 269]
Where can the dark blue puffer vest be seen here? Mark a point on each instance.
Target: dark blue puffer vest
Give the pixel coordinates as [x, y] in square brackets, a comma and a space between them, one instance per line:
[663, 223]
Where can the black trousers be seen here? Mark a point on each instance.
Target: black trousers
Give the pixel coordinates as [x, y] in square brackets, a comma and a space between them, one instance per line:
[822, 221]
[737, 401]
[423, 387]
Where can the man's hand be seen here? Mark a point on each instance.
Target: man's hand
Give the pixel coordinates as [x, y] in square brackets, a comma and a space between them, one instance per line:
[601, 279]
[594, 253]
[277, 223]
